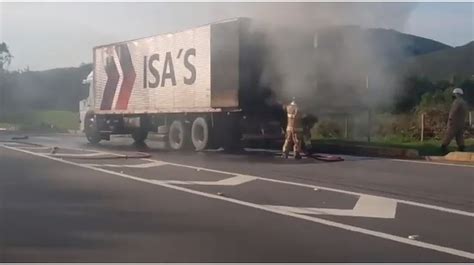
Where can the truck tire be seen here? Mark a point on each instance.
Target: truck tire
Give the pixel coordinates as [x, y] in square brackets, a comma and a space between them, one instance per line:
[93, 137]
[178, 136]
[139, 135]
[200, 134]
[90, 129]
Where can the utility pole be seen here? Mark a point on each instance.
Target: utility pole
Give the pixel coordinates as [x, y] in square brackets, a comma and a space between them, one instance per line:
[369, 112]
[2, 95]
[346, 126]
[470, 119]
[367, 83]
[369, 124]
[422, 127]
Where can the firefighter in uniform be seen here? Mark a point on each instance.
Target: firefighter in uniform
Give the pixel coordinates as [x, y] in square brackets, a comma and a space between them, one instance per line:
[294, 130]
[456, 120]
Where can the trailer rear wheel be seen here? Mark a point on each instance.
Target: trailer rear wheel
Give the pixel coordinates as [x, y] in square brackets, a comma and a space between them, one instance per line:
[178, 136]
[200, 134]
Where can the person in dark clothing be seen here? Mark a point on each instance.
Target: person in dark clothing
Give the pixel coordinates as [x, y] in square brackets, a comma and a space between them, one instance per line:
[456, 121]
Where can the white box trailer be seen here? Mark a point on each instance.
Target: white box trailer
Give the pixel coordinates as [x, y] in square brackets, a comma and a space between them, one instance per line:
[192, 87]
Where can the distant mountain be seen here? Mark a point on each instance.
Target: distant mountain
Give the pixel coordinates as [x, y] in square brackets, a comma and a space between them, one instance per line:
[410, 45]
[444, 64]
[347, 55]
[401, 53]
[385, 42]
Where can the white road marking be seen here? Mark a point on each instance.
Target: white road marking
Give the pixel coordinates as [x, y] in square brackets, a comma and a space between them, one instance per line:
[432, 163]
[65, 155]
[144, 165]
[395, 238]
[423, 205]
[232, 181]
[366, 206]
[428, 206]
[7, 143]
[45, 138]
[34, 147]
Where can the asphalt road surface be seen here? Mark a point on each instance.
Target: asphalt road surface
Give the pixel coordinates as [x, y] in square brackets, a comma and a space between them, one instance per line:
[80, 205]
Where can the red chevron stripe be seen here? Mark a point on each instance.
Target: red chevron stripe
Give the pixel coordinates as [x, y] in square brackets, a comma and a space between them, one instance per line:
[129, 76]
[111, 84]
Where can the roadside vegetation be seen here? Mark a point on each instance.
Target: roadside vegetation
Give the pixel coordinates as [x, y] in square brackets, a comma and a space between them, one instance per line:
[426, 148]
[42, 121]
[45, 101]
[400, 126]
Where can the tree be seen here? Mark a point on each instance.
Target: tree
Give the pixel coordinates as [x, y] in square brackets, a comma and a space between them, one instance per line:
[410, 95]
[5, 60]
[5, 56]
[436, 100]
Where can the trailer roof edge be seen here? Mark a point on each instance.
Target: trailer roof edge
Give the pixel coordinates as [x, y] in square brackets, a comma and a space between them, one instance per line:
[173, 32]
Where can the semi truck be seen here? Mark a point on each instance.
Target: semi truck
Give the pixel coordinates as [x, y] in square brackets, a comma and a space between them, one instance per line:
[198, 88]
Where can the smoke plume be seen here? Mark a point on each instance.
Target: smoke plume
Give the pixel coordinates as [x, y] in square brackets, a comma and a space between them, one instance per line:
[314, 56]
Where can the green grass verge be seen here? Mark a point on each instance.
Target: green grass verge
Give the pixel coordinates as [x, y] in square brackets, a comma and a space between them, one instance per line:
[427, 148]
[52, 120]
[5, 125]
[62, 119]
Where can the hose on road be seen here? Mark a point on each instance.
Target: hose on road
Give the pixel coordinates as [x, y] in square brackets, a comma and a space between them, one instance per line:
[54, 151]
[135, 155]
[15, 141]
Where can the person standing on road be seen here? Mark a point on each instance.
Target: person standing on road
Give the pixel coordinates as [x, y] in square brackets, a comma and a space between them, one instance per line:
[294, 130]
[456, 120]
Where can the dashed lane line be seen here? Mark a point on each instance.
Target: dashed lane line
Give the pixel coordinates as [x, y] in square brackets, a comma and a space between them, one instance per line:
[443, 249]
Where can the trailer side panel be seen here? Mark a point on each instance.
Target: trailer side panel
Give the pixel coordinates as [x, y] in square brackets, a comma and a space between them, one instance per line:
[169, 72]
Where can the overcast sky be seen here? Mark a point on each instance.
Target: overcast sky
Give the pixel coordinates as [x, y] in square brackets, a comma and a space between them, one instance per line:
[52, 35]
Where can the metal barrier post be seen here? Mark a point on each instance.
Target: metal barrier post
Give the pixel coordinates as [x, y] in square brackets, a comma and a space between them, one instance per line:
[346, 125]
[369, 129]
[422, 126]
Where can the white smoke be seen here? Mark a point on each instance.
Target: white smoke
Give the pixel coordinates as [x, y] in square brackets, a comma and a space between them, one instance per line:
[291, 65]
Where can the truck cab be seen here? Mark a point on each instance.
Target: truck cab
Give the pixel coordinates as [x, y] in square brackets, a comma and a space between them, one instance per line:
[86, 104]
